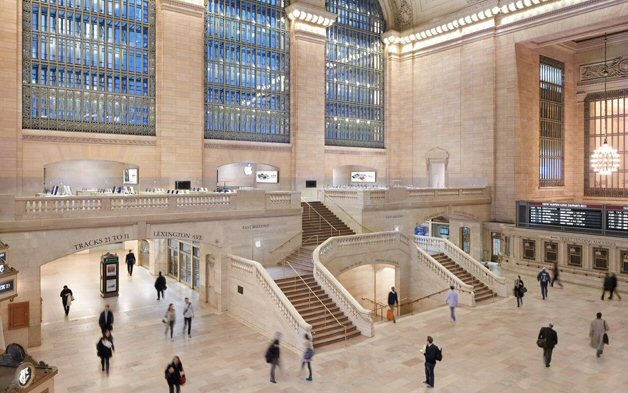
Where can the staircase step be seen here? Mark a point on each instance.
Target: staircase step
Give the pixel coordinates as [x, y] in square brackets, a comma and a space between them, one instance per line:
[481, 291]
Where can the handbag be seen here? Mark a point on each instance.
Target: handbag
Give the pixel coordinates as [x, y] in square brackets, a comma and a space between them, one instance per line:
[524, 289]
[605, 338]
[541, 342]
[182, 380]
[164, 320]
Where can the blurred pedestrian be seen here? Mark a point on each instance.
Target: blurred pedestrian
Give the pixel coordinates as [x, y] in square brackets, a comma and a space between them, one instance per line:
[130, 261]
[520, 290]
[452, 301]
[160, 285]
[66, 298]
[606, 286]
[106, 320]
[613, 287]
[169, 319]
[105, 348]
[555, 273]
[188, 314]
[308, 354]
[598, 329]
[393, 300]
[272, 356]
[175, 375]
[547, 339]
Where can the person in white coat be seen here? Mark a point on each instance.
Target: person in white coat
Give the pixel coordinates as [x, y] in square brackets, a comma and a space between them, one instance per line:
[596, 333]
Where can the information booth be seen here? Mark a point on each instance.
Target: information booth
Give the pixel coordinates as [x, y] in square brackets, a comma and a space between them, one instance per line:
[109, 275]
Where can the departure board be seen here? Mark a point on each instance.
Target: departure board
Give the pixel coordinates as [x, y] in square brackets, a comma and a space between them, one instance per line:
[617, 218]
[609, 220]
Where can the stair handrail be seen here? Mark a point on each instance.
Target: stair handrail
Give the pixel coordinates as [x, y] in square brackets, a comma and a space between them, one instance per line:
[300, 233]
[494, 282]
[365, 229]
[355, 311]
[311, 291]
[378, 306]
[333, 228]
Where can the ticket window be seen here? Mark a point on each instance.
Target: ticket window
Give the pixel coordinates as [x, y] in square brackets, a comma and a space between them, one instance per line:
[529, 249]
[600, 258]
[574, 255]
[624, 261]
[551, 252]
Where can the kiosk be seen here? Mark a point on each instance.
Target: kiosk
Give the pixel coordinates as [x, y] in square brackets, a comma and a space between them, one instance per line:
[109, 274]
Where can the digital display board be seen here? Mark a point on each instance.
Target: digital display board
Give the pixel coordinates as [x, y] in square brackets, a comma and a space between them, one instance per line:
[574, 217]
[565, 214]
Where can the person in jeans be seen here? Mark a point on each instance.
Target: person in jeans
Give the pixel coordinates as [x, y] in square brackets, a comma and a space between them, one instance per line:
[544, 278]
[430, 352]
[188, 314]
[169, 319]
[452, 301]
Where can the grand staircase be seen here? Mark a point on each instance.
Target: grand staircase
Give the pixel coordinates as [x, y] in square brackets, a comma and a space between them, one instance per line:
[329, 324]
[326, 329]
[319, 224]
[482, 292]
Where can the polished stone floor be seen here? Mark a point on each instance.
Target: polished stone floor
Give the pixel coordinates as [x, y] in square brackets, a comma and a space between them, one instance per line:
[490, 349]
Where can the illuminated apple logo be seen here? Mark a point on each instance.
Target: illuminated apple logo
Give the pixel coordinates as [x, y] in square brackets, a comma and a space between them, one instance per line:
[248, 170]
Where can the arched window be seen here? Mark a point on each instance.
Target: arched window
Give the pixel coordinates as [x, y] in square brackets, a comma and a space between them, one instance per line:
[247, 69]
[354, 88]
[89, 66]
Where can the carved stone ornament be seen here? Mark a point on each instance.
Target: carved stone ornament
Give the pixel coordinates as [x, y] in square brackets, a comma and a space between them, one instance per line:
[404, 14]
[617, 68]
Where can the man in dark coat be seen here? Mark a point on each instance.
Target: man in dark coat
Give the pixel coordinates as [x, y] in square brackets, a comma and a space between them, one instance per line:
[607, 286]
[551, 340]
[392, 302]
[106, 320]
[544, 278]
[431, 356]
[130, 261]
[160, 285]
[66, 299]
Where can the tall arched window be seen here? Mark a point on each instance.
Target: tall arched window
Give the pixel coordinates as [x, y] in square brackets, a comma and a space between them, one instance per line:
[89, 65]
[247, 70]
[354, 89]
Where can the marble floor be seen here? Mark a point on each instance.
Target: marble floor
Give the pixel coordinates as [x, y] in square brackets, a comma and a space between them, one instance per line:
[490, 349]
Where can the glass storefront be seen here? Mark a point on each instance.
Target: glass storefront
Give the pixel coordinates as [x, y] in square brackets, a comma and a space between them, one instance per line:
[184, 262]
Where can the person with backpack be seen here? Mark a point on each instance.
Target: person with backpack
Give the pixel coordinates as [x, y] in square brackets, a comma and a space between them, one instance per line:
[432, 354]
[272, 356]
[544, 278]
[547, 339]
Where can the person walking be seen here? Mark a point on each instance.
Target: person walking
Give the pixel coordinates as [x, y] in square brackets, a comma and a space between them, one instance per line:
[106, 320]
[308, 354]
[169, 319]
[66, 298]
[160, 285]
[174, 375]
[105, 348]
[431, 353]
[544, 278]
[452, 301]
[188, 314]
[272, 356]
[613, 287]
[606, 286]
[547, 339]
[598, 329]
[130, 261]
[392, 301]
[555, 273]
[520, 289]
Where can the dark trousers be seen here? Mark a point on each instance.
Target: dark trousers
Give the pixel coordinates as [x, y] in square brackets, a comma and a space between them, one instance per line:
[66, 308]
[187, 322]
[547, 355]
[519, 301]
[544, 290]
[429, 373]
[172, 388]
[104, 363]
[160, 292]
[275, 363]
[169, 325]
[614, 291]
[309, 368]
[129, 268]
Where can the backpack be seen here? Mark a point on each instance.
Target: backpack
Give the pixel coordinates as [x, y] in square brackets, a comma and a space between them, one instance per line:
[439, 354]
[269, 354]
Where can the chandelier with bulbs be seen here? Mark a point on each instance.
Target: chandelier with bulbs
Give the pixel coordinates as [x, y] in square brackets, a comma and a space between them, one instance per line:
[605, 159]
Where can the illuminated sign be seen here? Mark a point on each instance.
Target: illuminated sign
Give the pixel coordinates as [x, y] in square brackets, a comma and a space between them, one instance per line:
[362, 177]
[7, 285]
[266, 177]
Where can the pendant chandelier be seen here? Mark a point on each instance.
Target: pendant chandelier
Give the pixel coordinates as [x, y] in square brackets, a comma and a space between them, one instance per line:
[605, 159]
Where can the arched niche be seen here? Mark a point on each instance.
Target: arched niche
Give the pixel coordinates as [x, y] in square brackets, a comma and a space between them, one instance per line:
[436, 160]
[248, 174]
[342, 175]
[88, 174]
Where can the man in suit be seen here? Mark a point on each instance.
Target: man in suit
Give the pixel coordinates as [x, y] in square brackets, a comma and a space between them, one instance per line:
[106, 320]
[551, 339]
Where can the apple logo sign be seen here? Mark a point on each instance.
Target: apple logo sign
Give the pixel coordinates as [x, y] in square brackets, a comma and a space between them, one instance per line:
[248, 170]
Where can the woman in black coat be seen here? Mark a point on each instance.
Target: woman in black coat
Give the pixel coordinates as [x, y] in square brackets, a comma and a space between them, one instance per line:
[173, 372]
[520, 289]
[105, 349]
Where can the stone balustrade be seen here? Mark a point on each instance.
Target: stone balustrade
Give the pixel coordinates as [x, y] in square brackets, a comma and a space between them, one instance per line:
[49, 207]
[440, 245]
[262, 303]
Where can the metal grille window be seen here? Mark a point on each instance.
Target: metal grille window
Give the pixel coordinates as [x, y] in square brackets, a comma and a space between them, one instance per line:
[551, 149]
[247, 71]
[89, 65]
[354, 85]
[615, 127]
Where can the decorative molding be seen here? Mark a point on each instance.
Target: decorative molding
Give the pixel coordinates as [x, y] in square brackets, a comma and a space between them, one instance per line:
[182, 7]
[594, 72]
[69, 137]
[279, 147]
[360, 151]
[404, 15]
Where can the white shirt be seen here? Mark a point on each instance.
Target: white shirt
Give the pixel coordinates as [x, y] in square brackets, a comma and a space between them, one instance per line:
[452, 298]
